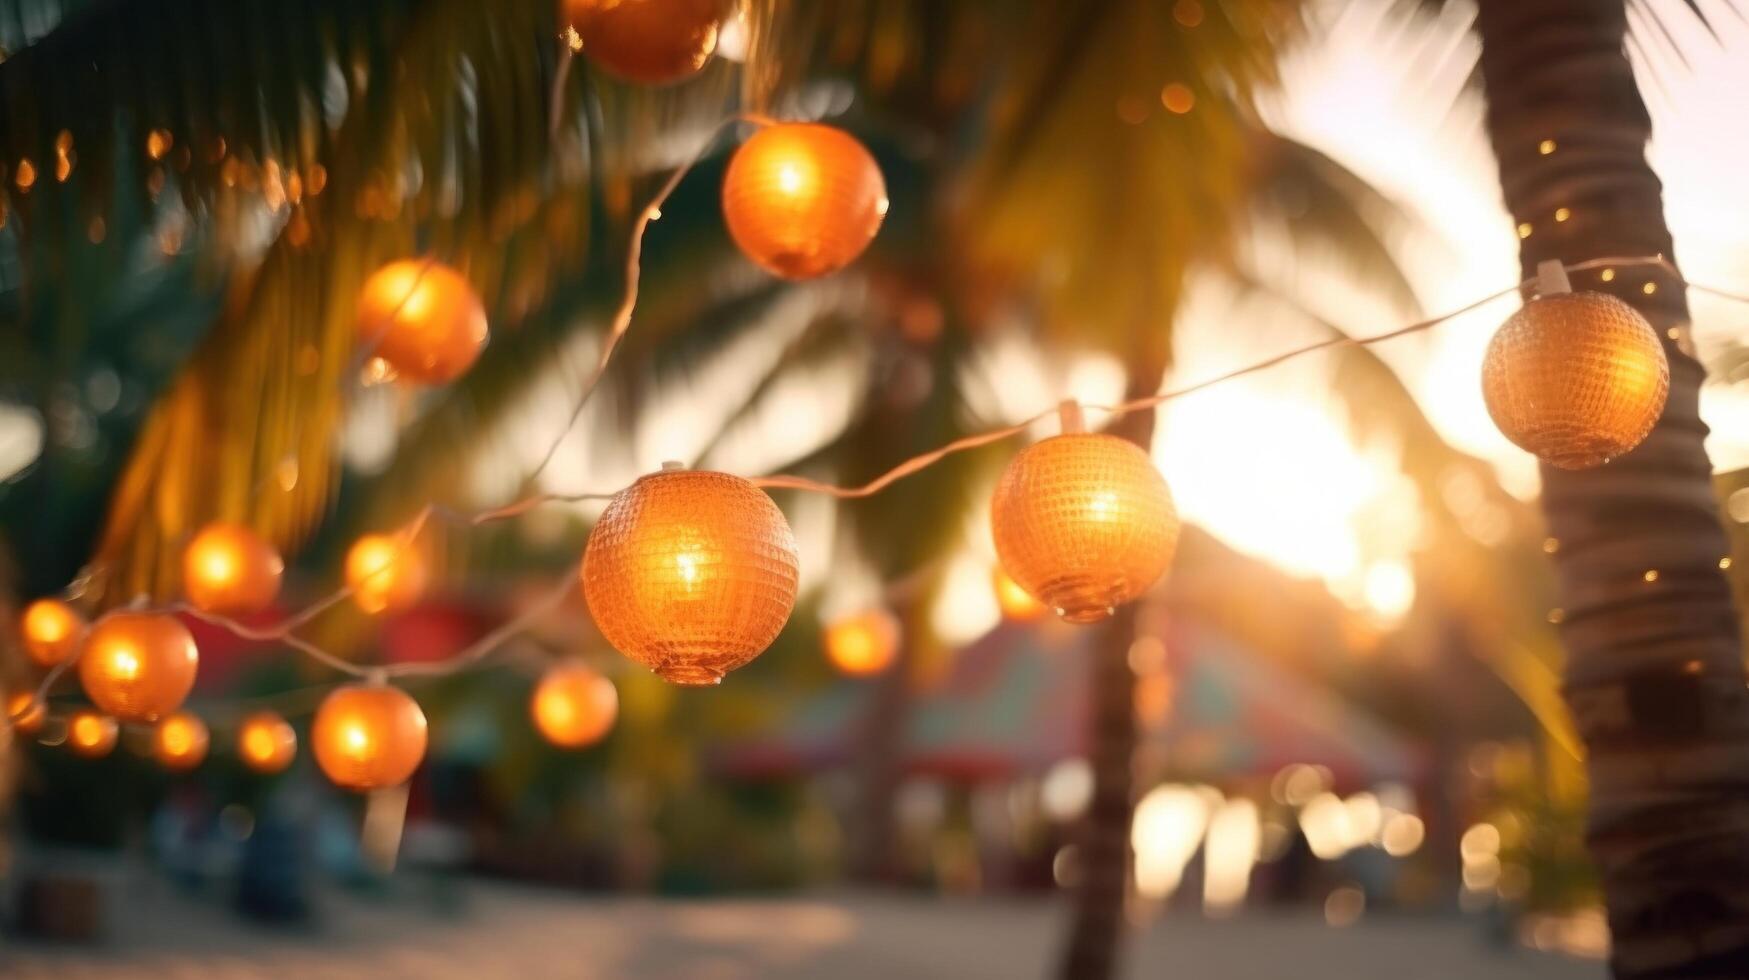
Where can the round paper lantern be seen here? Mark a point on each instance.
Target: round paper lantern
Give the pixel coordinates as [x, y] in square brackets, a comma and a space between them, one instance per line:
[385, 572]
[863, 644]
[180, 742]
[691, 574]
[52, 631]
[26, 712]
[229, 569]
[803, 199]
[1576, 378]
[1084, 522]
[423, 319]
[652, 42]
[90, 734]
[266, 743]
[573, 706]
[368, 736]
[1015, 602]
[138, 666]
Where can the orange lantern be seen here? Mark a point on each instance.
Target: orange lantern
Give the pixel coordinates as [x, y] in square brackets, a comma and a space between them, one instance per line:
[180, 742]
[803, 199]
[138, 666]
[1015, 602]
[266, 743]
[573, 706]
[385, 572]
[1083, 521]
[652, 42]
[863, 644]
[1575, 378]
[690, 573]
[229, 569]
[423, 319]
[26, 712]
[90, 734]
[368, 736]
[52, 631]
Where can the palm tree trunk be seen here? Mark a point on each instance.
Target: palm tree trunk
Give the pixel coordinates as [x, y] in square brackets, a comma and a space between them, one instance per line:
[1103, 851]
[1654, 677]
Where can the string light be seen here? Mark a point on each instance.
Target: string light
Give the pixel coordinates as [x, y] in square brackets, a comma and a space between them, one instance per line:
[385, 572]
[90, 735]
[180, 742]
[138, 666]
[265, 743]
[423, 319]
[230, 569]
[52, 631]
[27, 712]
[573, 706]
[863, 644]
[368, 736]
[691, 573]
[652, 42]
[803, 199]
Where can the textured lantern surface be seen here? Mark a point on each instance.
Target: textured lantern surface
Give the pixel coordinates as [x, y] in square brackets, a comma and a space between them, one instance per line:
[180, 741]
[368, 736]
[52, 630]
[385, 572]
[1015, 602]
[423, 319]
[230, 569]
[138, 666]
[690, 573]
[1576, 378]
[26, 712]
[266, 743]
[573, 706]
[863, 644]
[90, 734]
[652, 42]
[803, 199]
[1084, 522]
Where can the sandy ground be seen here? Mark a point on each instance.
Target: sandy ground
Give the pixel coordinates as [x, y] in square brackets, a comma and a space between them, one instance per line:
[504, 931]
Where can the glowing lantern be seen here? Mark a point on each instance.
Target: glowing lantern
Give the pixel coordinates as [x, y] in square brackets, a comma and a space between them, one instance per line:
[52, 631]
[1084, 522]
[26, 712]
[863, 644]
[385, 572]
[423, 319]
[691, 574]
[368, 736]
[266, 743]
[652, 42]
[90, 734]
[802, 199]
[573, 706]
[138, 666]
[1015, 602]
[180, 742]
[230, 569]
[1575, 378]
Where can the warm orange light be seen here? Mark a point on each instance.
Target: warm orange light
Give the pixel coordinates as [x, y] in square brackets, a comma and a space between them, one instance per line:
[1084, 521]
[385, 572]
[573, 706]
[138, 666]
[803, 199]
[229, 569]
[1015, 602]
[691, 574]
[180, 742]
[863, 644]
[52, 631]
[90, 734]
[368, 736]
[1576, 378]
[266, 743]
[653, 42]
[424, 319]
[26, 712]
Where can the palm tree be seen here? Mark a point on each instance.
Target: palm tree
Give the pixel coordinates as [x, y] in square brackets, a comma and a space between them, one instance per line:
[1654, 676]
